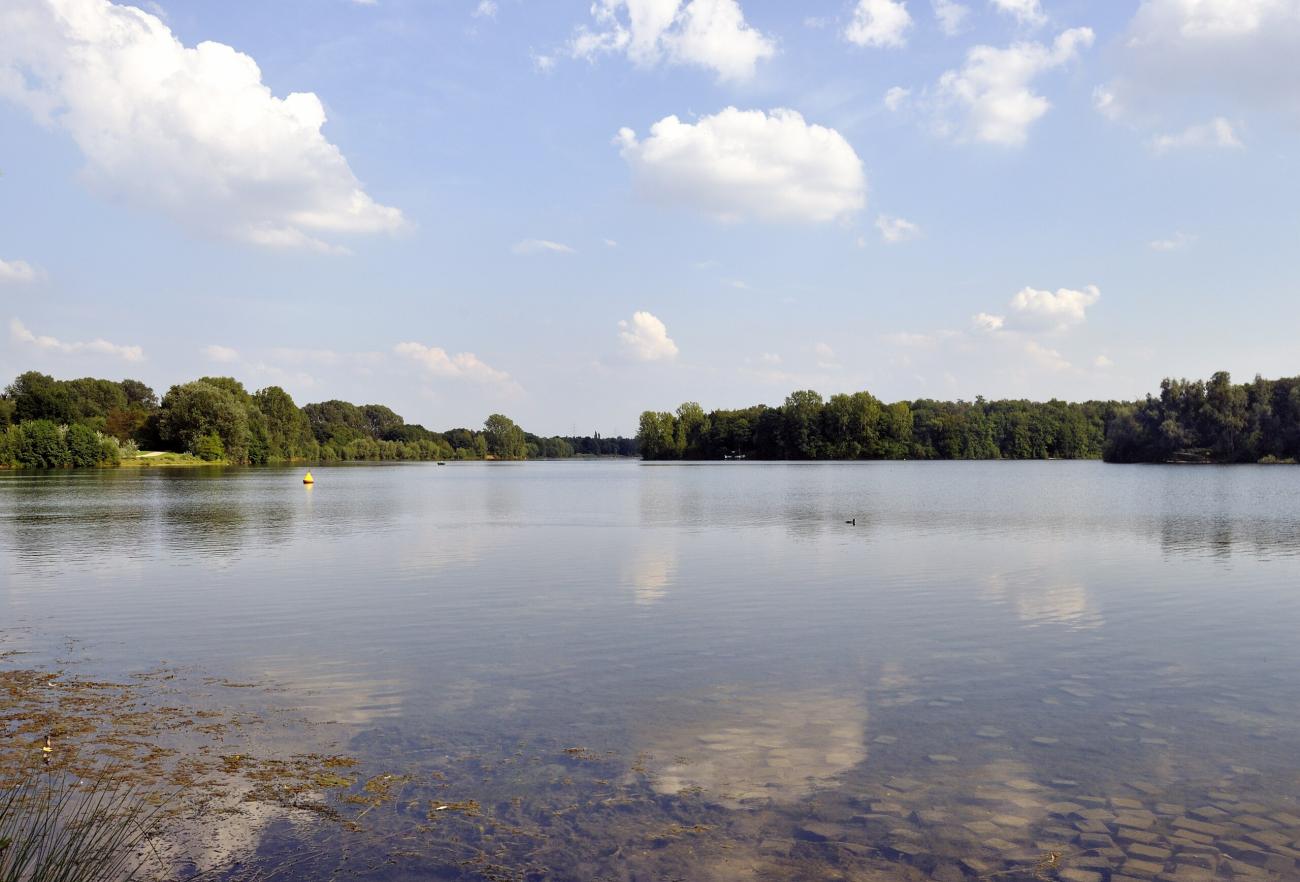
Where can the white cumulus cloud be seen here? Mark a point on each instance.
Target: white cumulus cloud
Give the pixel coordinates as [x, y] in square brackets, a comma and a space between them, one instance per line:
[993, 91]
[951, 16]
[703, 33]
[460, 366]
[895, 229]
[645, 338]
[19, 333]
[540, 246]
[747, 164]
[192, 132]
[879, 23]
[18, 271]
[220, 354]
[1060, 310]
[1035, 311]
[1218, 132]
[1027, 12]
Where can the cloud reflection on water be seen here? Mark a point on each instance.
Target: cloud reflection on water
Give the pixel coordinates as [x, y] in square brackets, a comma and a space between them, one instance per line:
[651, 571]
[1039, 600]
[744, 746]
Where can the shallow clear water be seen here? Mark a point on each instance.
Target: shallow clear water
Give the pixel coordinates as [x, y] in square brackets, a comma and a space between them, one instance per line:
[990, 644]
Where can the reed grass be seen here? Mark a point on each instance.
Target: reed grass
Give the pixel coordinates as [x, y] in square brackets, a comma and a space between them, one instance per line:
[57, 827]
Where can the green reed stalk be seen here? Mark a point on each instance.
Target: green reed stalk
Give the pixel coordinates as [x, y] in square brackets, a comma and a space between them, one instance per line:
[55, 827]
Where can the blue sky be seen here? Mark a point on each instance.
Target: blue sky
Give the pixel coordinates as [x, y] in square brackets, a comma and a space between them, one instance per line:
[571, 212]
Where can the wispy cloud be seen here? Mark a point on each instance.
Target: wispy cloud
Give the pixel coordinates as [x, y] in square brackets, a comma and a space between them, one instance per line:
[541, 246]
[1218, 132]
[20, 334]
[1027, 12]
[18, 271]
[1177, 242]
[896, 97]
[951, 16]
[896, 229]
[459, 366]
[220, 354]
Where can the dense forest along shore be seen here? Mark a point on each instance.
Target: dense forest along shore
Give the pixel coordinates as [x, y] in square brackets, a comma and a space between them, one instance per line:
[88, 422]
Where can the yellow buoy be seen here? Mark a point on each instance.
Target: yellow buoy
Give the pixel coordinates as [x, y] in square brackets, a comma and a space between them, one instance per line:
[308, 479]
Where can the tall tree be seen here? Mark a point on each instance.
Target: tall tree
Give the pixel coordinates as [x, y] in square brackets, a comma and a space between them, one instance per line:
[505, 440]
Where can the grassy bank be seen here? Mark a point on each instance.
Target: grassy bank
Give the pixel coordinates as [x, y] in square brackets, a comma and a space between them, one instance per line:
[168, 459]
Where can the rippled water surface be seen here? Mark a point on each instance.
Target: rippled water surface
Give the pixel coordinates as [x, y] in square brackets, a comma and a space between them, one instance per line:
[1003, 670]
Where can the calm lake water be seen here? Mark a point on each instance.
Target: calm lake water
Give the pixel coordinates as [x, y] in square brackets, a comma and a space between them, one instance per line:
[702, 672]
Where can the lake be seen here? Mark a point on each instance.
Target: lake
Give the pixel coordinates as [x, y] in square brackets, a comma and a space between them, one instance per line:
[615, 670]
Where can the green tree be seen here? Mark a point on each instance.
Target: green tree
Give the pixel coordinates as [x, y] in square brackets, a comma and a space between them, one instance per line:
[657, 435]
[336, 421]
[93, 399]
[801, 429]
[42, 445]
[289, 433]
[139, 396]
[38, 396]
[505, 440]
[208, 447]
[690, 430]
[851, 425]
[83, 445]
[201, 409]
[110, 452]
[11, 441]
[380, 420]
[896, 431]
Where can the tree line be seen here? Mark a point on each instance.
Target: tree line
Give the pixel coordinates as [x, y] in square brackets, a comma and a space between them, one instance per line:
[860, 426]
[1210, 421]
[49, 423]
[1191, 421]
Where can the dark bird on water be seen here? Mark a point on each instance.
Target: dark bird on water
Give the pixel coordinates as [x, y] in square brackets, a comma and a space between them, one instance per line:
[852, 523]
